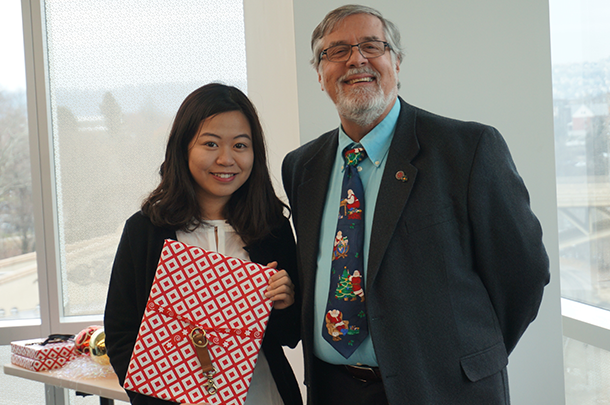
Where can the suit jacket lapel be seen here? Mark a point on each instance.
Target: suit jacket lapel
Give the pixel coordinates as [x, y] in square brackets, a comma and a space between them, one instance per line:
[311, 196]
[393, 192]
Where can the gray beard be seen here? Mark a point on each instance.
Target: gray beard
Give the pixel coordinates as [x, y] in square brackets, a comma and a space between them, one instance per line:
[363, 106]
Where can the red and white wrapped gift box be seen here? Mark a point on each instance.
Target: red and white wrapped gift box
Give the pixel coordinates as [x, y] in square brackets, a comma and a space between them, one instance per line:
[224, 296]
[34, 356]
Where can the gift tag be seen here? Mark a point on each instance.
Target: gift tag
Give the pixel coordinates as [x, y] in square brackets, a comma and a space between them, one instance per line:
[200, 342]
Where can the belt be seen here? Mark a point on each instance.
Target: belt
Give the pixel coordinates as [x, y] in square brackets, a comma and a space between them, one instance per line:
[364, 373]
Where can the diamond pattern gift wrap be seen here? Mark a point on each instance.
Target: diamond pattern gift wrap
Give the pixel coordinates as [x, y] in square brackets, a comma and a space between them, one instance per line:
[195, 289]
[35, 356]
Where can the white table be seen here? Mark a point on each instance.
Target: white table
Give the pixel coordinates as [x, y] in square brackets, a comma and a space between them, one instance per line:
[107, 388]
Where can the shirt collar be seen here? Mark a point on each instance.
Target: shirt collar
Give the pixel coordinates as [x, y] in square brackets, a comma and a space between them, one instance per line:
[377, 142]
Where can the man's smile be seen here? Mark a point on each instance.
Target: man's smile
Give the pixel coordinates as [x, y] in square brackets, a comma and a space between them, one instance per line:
[360, 80]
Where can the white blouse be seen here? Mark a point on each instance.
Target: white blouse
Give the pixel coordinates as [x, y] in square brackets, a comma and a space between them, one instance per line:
[219, 236]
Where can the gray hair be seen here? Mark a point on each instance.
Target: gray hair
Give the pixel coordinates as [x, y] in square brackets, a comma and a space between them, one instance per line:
[333, 18]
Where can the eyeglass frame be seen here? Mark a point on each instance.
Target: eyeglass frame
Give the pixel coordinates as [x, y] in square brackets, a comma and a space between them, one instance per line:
[324, 52]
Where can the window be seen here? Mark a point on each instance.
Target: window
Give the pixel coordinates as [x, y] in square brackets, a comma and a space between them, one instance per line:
[105, 81]
[18, 277]
[117, 75]
[581, 96]
[581, 99]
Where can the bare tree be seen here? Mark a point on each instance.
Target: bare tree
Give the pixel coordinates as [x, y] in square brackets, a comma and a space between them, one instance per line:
[16, 217]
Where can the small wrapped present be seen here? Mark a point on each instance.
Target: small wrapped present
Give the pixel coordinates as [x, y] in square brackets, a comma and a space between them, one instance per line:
[43, 354]
[202, 329]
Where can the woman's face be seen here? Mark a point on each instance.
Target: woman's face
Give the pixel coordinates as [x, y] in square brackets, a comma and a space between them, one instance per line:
[220, 160]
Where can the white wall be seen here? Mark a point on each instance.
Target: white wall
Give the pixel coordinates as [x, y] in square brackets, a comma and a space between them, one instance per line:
[272, 87]
[486, 61]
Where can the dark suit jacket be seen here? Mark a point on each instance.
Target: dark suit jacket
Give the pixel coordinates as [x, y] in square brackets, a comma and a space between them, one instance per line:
[132, 276]
[456, 267]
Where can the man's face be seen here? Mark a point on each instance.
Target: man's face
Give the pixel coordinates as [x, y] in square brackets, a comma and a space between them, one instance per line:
[362, 89]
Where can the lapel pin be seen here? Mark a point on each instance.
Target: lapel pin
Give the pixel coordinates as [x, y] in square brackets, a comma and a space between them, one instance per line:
[400, 175]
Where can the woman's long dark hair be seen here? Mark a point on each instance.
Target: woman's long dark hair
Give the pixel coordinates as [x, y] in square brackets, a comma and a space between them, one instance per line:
[253, 210]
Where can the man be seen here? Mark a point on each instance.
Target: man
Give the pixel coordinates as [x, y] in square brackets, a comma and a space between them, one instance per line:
[453, 261]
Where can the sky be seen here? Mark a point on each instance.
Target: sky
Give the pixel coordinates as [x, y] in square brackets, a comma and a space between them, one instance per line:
[12, 65]
[579, 30]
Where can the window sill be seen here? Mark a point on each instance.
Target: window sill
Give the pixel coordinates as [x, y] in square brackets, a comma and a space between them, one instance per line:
[586, 323]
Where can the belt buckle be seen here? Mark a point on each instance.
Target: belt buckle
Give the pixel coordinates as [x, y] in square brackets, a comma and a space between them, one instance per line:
[373, 375]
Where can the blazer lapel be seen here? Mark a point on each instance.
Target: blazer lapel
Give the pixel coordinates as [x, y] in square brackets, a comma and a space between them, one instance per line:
[311, 196]
[395, 187]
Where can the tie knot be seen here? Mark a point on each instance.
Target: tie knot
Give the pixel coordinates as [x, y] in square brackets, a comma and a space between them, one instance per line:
[354, 154]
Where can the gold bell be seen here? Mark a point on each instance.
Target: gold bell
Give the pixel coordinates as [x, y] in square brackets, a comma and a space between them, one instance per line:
[97, 347]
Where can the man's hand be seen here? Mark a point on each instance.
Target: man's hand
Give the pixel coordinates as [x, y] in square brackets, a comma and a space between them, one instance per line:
[280, 289]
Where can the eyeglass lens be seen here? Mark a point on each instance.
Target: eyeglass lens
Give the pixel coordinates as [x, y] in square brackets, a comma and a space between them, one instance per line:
[368, 49]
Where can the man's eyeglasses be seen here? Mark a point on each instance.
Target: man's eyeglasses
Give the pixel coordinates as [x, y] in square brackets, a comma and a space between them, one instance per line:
[342, 53]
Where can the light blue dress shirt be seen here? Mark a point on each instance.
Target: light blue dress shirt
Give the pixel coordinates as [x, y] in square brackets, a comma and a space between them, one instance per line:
[376, 144]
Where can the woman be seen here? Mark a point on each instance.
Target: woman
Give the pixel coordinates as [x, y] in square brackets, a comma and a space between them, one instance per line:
[216, 193]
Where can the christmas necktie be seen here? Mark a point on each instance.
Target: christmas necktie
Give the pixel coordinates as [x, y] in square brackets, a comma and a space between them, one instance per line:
[345, 324]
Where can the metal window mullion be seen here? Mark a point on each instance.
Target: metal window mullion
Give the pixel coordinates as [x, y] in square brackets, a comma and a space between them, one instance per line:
[43, 179]
[28, 328]
[42, 175]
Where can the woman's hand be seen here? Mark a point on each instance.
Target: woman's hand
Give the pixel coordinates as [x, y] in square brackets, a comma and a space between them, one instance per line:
[280, 289]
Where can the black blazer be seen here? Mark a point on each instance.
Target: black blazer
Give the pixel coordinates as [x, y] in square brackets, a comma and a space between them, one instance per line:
[133, 273]
[456, 267]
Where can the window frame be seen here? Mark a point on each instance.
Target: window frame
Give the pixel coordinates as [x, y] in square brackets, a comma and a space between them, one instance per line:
[586, 323]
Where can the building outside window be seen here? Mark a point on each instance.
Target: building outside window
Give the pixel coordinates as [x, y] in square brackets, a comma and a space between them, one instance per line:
[581, 99]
